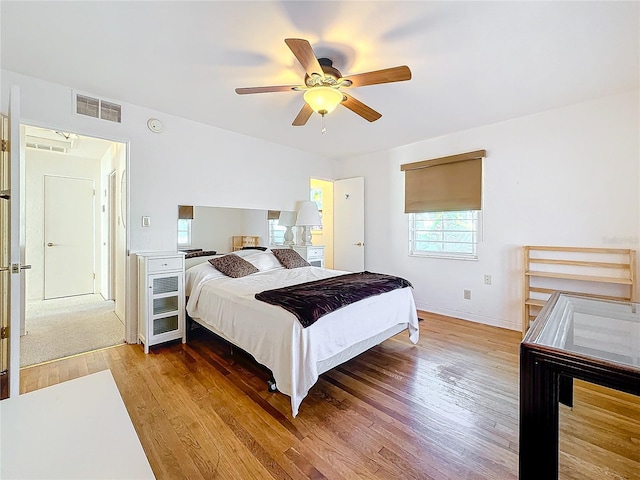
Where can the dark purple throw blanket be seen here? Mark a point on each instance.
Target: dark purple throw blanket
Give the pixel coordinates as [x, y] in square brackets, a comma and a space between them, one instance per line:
[309, 301]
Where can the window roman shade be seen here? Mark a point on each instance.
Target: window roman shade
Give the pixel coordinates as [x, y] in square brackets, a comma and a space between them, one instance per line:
[185, 212]
[273, 214]
[451, 183]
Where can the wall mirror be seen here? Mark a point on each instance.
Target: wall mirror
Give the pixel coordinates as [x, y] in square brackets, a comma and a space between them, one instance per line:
[213, 228]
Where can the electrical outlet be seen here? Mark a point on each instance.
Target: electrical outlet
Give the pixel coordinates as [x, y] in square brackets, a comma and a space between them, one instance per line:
[487, 279]
[467, 294]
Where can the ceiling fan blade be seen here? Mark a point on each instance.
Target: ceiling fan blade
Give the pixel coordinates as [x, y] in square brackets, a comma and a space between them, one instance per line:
[360, 108]
[303, 115]
[304, 53]
[388, 75]
[280, 88]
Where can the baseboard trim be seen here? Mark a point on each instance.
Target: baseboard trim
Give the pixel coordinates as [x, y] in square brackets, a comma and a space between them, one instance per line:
[494, 322]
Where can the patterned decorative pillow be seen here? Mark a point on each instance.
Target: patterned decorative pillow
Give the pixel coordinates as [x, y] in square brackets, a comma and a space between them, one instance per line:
[289, 258]
[233, 266]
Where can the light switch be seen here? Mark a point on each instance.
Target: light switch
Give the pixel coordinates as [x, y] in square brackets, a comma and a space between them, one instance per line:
[146, 221]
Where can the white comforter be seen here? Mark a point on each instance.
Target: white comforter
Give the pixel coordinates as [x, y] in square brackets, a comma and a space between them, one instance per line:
[275, 337]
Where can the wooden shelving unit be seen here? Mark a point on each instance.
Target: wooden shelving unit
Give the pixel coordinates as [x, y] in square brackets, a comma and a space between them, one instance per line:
[608, 273]
[239, 241]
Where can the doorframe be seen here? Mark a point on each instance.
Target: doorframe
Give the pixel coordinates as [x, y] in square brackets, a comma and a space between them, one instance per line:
[130, 309]
[5, 261]
[16, 238]
[111, 234]
[328, 235]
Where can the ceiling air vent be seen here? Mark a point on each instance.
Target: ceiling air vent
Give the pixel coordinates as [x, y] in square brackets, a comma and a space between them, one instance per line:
[110, 111]
[50, 140]
[96, 108]
[48, 148]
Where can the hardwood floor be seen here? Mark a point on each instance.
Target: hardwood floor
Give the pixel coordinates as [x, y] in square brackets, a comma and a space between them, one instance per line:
[446, 408]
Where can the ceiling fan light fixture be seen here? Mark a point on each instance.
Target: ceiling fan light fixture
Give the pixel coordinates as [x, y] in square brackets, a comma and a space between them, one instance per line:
[322, 99]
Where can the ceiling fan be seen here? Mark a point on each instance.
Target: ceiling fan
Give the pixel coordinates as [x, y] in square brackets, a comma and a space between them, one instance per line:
[323, 84]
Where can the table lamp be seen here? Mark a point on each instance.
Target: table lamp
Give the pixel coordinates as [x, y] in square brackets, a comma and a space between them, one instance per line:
[308, 216]
[288, 220]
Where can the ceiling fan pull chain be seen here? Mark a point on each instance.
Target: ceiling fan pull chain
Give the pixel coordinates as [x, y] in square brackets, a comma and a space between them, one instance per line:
[324, 129]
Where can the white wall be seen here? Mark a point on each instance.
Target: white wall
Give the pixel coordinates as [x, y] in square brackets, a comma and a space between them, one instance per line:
[39, 163]
[189, 163]
[564, 177]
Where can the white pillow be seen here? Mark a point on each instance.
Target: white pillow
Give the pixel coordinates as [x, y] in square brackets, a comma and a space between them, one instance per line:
[193, 261]
[248, 252]
[263, 261]
[197, 273]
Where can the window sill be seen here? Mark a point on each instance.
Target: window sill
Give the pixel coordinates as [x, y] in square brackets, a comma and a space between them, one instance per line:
[445, 256]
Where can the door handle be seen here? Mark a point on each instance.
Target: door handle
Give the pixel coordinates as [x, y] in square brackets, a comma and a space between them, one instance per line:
[15, 268]
[50, 244]
[359, 244]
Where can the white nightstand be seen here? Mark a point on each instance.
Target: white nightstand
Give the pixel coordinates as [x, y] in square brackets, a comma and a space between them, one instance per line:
[161, 315]
[314, 254]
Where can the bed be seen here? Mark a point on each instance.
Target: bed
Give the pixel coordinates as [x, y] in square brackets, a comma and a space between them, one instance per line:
[276, 339]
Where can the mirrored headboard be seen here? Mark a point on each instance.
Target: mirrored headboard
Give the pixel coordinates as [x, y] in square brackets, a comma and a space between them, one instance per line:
[213, 228]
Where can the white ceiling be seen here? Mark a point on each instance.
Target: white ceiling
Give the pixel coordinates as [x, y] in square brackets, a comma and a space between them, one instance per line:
[473, 63]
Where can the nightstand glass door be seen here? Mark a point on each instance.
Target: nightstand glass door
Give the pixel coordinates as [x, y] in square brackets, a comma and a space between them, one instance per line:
[165, 324]
[165, 302]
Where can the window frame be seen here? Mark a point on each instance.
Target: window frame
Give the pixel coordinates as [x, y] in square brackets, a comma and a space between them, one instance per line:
[412, 252]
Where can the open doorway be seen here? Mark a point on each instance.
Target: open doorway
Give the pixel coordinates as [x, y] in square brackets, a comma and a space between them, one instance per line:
[322, 194]
[76, 243]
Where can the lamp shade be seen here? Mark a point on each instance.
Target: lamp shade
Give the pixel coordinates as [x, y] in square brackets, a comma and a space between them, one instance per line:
[308, 214]
[287, 219]
[323, 100]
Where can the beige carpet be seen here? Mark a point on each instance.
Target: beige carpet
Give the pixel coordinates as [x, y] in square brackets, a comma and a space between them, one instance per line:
[66, 326]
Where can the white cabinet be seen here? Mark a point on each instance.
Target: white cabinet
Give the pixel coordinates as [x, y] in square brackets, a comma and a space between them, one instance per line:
[314, 254]
[161, 315]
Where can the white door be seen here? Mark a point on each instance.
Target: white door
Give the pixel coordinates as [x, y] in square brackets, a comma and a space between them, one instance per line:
[68, 236]
[348, 224]
[15, 269]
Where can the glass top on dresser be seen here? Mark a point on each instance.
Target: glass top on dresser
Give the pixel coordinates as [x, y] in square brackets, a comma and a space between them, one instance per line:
[599, 329]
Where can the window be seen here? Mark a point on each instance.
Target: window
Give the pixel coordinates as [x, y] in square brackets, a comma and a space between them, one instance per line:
[443, 197]
[184, 233]
[444, 234]
[276, 233]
